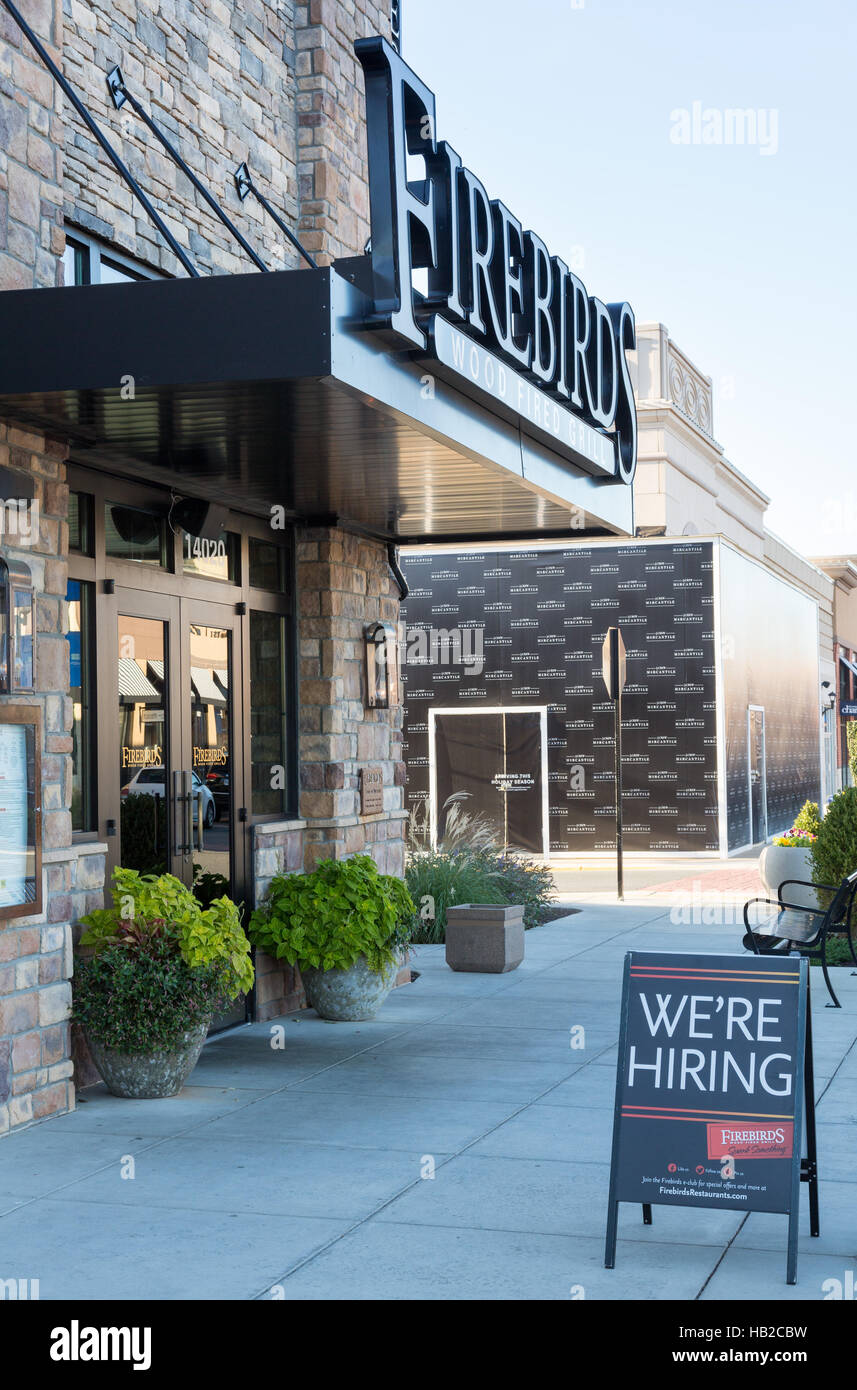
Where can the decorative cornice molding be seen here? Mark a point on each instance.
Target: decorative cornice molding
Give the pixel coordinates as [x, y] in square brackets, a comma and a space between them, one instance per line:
[690, 391]
[840, 568]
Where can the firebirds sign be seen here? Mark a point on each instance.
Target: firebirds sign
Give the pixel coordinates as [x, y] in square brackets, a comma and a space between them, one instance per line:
[502, 317]
[715, 1063]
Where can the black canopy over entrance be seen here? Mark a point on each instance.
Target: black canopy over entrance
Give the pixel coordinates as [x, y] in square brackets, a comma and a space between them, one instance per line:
[268, 389]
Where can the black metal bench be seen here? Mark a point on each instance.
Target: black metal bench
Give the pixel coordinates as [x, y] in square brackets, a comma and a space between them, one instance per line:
[786, 926]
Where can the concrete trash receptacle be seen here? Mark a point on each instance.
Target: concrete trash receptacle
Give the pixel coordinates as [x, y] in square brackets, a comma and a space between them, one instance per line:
[484, 939]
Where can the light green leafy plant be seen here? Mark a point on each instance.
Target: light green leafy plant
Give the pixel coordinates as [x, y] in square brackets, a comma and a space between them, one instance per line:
[328, 919]
[210, 937]
[808, 818]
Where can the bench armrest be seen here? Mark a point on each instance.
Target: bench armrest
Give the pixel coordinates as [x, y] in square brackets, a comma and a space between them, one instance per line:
[749, 903]
[778, 903]
[769, 902]
[802, 883]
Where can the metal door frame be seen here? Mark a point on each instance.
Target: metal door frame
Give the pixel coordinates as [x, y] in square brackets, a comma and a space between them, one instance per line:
[540, 710]
[195, 612]
[168, 593]
[757, 709]
[133, 603]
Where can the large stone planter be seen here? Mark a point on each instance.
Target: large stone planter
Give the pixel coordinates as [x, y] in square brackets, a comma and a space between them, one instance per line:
[483, 939]
[781, 862]
[349, 996]
[148, 1076]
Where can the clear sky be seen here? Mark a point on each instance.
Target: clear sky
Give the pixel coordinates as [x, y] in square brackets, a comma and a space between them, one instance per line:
[565, 111]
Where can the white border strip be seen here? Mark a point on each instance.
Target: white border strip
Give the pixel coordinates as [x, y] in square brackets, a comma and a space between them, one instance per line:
[541, 710]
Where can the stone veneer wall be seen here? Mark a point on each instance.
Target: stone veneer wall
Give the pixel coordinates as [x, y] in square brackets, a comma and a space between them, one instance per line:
[36, 952]
[31, 140]
[344, 583]
[276, 84]
[219, 79]
[277, 849]
[333, 171]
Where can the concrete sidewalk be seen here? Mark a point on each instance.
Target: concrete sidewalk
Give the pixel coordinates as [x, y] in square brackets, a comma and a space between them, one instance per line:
[701, 878]
[302, 1172]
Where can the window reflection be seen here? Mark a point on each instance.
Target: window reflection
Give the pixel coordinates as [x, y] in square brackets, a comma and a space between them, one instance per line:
[143, 750]
[210, 559]
[112, 274]
[136, 535]
[210, 710]
[80, 608]
[268, 714]
[268, 566]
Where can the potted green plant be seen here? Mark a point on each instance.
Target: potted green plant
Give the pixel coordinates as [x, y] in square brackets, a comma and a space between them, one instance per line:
[345, 927]
[155, 969]
[789, 857]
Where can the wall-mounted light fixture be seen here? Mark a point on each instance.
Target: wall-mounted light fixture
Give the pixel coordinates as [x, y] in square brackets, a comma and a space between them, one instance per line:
[382, 685]
[17, 628]
[197, 517]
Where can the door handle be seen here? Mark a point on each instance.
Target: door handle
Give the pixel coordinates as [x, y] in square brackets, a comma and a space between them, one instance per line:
[183, 814]
[200, 821]
[187, 785]
[178, 846]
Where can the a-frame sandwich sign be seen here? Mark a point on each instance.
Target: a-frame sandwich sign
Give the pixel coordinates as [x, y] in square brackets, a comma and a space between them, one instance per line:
[714, 1084]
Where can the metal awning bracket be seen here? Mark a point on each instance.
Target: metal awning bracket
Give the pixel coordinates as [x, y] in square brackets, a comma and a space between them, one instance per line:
[244, 185]
[116, 86]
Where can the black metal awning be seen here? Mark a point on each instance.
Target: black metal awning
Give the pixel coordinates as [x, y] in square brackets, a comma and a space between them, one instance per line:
[265, 390]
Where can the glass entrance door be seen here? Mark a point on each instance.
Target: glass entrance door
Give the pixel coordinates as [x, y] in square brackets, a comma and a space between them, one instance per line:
[213, 759]
[178, 802]
[139, 747]
[210, 743]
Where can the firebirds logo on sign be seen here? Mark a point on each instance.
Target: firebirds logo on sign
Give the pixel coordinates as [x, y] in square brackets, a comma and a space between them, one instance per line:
[502, 316]
[741, 1142]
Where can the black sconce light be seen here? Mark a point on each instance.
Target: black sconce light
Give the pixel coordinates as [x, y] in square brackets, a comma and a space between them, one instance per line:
[17, 628]
[382, 686]
[829, 694]
[199, 518]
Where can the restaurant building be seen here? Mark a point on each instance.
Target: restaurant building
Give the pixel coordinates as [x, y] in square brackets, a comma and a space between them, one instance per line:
[245, 357]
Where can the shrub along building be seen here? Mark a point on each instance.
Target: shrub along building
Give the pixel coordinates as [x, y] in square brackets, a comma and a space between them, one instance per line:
[220, 416]
[727, 718]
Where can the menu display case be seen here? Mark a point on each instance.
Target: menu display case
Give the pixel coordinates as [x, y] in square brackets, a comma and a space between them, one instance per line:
[20, 812]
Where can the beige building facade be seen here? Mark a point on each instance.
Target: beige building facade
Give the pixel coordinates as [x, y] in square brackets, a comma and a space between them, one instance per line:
[686, 486]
